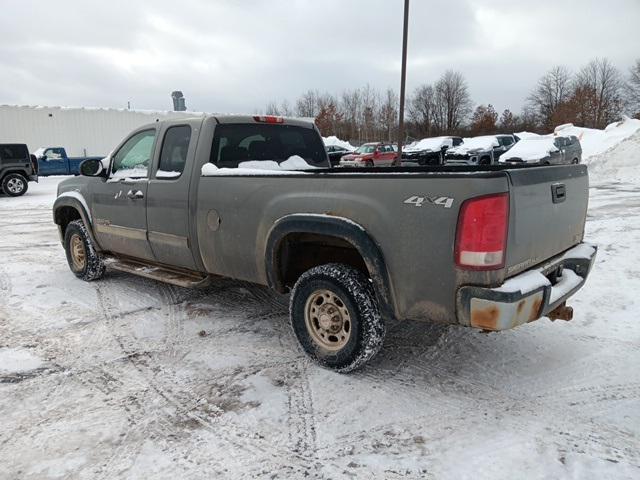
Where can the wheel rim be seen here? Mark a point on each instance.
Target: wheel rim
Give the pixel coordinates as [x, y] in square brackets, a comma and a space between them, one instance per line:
[327, 319]
[15, 185]
[78, 252]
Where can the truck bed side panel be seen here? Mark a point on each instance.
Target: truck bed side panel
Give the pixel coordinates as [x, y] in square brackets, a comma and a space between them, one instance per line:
[417, 237]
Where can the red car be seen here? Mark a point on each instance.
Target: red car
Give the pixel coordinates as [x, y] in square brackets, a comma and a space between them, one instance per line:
[370, 155]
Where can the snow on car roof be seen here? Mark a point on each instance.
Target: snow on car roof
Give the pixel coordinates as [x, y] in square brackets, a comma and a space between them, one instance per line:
[530, 149]
[485, 142]
[432, 143]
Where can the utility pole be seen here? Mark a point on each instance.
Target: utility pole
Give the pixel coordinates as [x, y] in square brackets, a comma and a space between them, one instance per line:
[403, 77]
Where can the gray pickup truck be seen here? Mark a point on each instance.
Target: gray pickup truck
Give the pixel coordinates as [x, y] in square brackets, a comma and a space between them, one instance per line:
[254, 198]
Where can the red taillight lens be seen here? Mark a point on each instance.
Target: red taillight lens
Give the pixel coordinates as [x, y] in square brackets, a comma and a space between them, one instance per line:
[268, 119]
[481, 239]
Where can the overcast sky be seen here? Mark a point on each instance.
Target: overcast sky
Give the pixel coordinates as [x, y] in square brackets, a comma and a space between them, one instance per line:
[235, 56]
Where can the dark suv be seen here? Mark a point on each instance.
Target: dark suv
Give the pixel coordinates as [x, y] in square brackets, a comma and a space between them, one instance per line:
[335, 153]
[17, 169]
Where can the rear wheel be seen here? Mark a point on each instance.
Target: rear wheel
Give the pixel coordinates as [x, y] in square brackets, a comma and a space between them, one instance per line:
[334, 315]
[14, 185]
[83, 260]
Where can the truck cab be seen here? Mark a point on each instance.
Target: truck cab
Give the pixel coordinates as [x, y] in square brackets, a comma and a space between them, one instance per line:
[55, 161]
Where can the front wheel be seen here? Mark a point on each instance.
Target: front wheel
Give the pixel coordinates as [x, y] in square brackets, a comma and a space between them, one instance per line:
[335, 317]
[83, 260]
[15, 185]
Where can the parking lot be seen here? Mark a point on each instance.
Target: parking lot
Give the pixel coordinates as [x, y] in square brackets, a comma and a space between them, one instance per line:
[130, 378]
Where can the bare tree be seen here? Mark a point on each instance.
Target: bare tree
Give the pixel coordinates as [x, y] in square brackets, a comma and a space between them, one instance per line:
[307, 104]
[370, 101]
[350, 107]
[389, 114]
[272, 109]
[602, 79]
[285, 109]
[422, 109]
[552, 90]
[452, 101]
[632, 89]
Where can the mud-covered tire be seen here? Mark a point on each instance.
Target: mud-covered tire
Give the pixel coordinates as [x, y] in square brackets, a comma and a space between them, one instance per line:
[77, 244]
[354, 291]
[14, 185]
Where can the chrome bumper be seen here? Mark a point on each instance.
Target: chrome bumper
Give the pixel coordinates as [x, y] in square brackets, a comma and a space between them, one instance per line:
[529, 295]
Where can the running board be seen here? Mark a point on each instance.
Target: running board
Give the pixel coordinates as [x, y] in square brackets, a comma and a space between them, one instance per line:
[181, 278]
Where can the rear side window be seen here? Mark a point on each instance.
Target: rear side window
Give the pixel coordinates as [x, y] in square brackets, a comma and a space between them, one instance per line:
[14, 152]
[54, 153]
[133, 158]
[237, 143]
[173, 155]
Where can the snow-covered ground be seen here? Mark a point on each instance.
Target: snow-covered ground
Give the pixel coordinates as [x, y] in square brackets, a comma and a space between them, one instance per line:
[129, 378]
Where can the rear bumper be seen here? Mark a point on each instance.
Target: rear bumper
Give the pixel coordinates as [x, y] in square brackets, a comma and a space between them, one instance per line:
[529, 295]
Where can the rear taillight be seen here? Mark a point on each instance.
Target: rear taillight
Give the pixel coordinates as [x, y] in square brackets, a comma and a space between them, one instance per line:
[481, 239]
[268, 119]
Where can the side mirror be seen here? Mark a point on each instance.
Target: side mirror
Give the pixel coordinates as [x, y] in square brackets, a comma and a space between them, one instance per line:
[92, 168]
[376, 153]
[43, 158]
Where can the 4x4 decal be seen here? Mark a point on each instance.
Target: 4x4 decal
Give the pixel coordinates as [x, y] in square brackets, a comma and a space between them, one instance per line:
[417, 201]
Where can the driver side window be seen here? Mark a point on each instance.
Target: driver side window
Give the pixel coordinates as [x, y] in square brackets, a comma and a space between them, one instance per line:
[134, 157]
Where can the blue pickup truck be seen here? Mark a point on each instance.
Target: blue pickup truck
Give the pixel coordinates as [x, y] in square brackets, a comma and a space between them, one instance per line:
[54, 161]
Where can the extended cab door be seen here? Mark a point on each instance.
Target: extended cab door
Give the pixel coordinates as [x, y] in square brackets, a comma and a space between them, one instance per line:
[119, 204]
[168, 215]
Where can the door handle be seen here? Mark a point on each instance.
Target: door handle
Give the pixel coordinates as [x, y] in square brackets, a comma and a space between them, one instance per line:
[135, 194]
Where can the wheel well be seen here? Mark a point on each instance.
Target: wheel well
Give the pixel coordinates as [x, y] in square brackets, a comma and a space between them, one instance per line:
[298, 252]
[66, 215]
[19, 172]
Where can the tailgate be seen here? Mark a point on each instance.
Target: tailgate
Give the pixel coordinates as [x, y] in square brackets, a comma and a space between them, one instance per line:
[548, 209]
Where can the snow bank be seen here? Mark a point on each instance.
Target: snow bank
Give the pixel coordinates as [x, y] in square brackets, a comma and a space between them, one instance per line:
[620, 162]
[290, 166]
[594, 141]
[333, 140]
[530, 149]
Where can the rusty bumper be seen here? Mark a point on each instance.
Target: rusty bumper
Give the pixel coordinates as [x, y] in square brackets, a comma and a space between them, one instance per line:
[529, 295]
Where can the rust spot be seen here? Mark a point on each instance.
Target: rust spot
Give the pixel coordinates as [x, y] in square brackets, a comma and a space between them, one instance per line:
[486, 318]
[535, 310]
[521, 306]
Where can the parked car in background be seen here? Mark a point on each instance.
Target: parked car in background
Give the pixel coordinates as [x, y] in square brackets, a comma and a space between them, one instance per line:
[545, 150]
[376, 154]
[17, 169]
[483, 150]
[54, 161]
[430, 151]
[335, 153]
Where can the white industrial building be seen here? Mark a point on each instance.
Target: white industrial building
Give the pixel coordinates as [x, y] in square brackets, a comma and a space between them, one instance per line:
[82, 131]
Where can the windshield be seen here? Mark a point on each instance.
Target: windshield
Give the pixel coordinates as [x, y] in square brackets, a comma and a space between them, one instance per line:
[366, 149]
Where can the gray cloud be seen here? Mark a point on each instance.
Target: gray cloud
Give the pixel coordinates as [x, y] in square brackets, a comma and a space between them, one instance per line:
[238, 55]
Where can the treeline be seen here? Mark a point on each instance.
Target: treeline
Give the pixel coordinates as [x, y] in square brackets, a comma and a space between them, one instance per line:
[594, 96]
